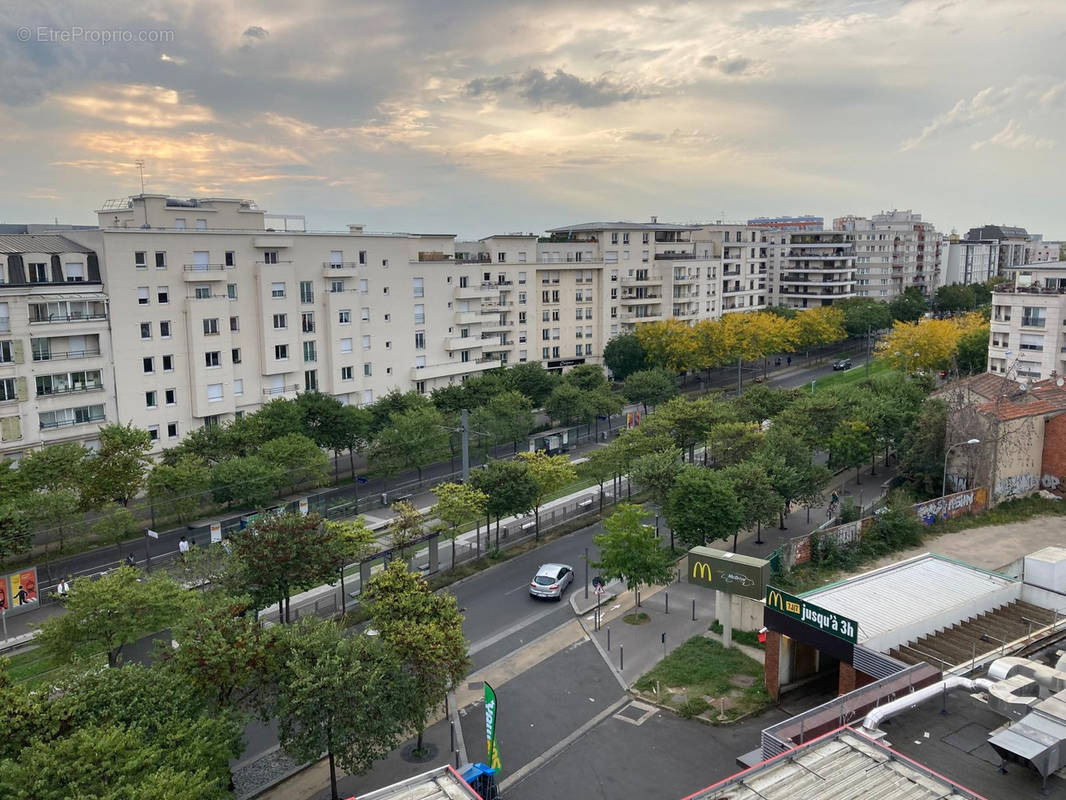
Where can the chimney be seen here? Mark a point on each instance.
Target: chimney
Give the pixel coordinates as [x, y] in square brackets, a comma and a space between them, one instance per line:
[654, 220]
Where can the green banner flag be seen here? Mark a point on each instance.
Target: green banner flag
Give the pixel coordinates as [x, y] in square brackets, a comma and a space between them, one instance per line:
[490, 728]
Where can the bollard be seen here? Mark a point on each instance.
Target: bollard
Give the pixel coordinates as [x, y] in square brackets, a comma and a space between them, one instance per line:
[638, 598]
[664, 645]
[621, 659]
[457, 759]
[608, 639]
[452, 725]
[667, 594]
[693, 610]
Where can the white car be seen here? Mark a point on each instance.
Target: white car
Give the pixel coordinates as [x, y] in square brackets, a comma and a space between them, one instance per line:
[551, 580]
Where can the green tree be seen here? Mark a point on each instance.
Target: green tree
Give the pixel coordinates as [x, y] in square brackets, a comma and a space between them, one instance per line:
[458, 503]
[586, 377]
[357, 541]
[353, 429]
[299, 459]
[687, 421]
[509, 486]
[424, 629]
[657, 472]
[177, 488]
[624, 355]
[850, 445]
[532, 380]
[506, 417]
[279, 417]
[16, 537]
[246, 481]
[731, 443]
[921, 453]
[214, 443]
[412, 440]
[702, 507]
[566, 405]
[114, 610]
[909, 306]
[790, 466]
[345, 696]
[116, 472]
[54, 466]
[395, 402]
[630, 550]
[13, 481]
[115, 525]
[53, 514]
[758, 503]
[278, 555]
[649, 387]
[972, 355]
[955, 297]
[760, 402]
[862, 314]
[600, 465]
[406, 527]
[550, 474]
[451, 399]
[325, 423]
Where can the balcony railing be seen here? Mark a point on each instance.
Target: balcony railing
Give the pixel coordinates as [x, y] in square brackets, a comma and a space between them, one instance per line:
[270, 391]
[50, 356]
[95, 387]
[341, 264]
[208, 267]
[70, 423]
[68, 317]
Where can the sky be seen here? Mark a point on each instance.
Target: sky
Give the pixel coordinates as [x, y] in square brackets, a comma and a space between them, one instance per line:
[476, 117]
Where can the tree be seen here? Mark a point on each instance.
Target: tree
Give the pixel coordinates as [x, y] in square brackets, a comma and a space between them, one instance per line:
[657, 472]
[279, 417]
[758, 503]
[406, 527]
[345, 696]
[451, 399]
[630, 550]
[278, 555]
[54, 466]
[299, 460]
[353, 429]
[411, 440]
[549, 474]
[13, 481]
[53, 512]
[325, 422]
[356, 539]
[509, 486]
[586, 377]
[458, 503]
[687, 421]
[116, 525]
[566, 405]
[601, 464]
[955, 297]
[930, 344]
[214, 443]
[731, 443]
[790, 467]
[116, 609]
[395, 402]
[507, 417]
[702, 507]
[424, 629]
[909, 306]
[670, 345]
[532, 380]
[972, 352]
[245, 481]
[482, 388]
[116, 472]
[862, 314]
[760, 402]
[16, 537]
[649, 387]
[624, 355]
[921, 453]
[818, 326]
[177, 488]
[600, 402]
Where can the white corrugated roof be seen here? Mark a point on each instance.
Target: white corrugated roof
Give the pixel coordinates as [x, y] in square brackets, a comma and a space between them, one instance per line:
[442, 783]
[909, 592]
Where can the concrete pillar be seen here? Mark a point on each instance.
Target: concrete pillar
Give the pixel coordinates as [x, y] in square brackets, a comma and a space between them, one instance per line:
[723, 607]
[434, 554]
[771, 658]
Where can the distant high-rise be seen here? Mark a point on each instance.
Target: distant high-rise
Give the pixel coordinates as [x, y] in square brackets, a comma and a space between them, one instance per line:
[893, 250]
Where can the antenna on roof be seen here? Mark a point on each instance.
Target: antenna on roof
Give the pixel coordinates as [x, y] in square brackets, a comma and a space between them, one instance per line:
[140, 168]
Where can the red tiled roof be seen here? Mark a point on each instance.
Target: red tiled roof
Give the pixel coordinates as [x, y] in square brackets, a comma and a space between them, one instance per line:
[986, 385]
[1042, 397]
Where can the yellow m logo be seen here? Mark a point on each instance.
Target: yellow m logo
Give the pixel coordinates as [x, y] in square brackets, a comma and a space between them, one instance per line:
[775, 600]
[701, 569]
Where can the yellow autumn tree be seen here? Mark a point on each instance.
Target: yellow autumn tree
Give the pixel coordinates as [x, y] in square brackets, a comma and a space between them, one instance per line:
[818, 326]
[668, 344]
[929, 344]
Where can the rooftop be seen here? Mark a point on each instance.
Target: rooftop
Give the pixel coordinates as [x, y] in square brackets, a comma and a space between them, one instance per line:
[842, 765]
[622, 226]
[442, 783]
[39, 243]
[1035, 400]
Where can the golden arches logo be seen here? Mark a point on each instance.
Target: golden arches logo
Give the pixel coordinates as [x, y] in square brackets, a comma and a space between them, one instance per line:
[775, 600]
[702, 569]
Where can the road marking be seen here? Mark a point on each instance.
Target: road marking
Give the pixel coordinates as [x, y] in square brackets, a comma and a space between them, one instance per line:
[481, 644]
[516, 589]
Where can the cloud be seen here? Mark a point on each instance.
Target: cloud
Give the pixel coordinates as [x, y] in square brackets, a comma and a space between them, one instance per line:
[137, 106]
[560, 88]
[255, 32]
[1012, 137]
[966, 111]
[730, 65]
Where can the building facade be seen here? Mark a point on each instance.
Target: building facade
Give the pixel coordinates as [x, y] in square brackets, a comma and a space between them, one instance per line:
[1012, 244]
[893, 250]
[1027, 336]
[965, 261]
[812, 268]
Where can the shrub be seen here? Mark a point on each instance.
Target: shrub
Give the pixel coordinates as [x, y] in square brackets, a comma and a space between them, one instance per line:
[692, 707]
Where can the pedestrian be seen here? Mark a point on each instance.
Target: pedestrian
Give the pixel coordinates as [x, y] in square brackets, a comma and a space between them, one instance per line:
[788, 361]
[777, 361]
[63, 589]
[183, 547]
[131, 561]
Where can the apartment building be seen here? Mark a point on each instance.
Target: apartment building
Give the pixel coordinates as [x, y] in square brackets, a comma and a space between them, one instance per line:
[1012, 244]
[56, 381]
[1027, 334]
[964, 261]
[811, 268]
[807, 222]
[744, 253]
[1041, 252]
[894, 250]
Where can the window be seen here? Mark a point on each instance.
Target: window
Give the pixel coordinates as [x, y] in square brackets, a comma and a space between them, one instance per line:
[160, 259]
[307, 322]
[212, 359]
[344, 317]
[384, 262]
[142, 296]
[231, 291]
[1030, 341]
[310, 352]
[364, 314]
[179, 223]
[202, 292]
[307, 292]
[366, 342]
[281, 352]
[386, 290]
[270, 256]
[544, 352]
[336, 286]
[146, 330]
[277, 289]
[420, 315]
[577, 350]
[545, 316]
[555, 333]
[368, 396]
[644, 238]
[168, 363]
[238, 387]
[170, 397]
[140, 259]
[1033, 317]
[6, 354]
[346, 373]
[368, 370]
[148, 364]
[555, 352]
[419, 287]
[420, 362]
[38, 273]
[281, 321]
[75, 273]
[614, 238]
[420, 340]
[162, 294]
[153, 433]
[625, 238]
[545, 334]
[201, 224]
[521, 317]
[9, 391]
[364, 286]
[164, 329]
[501, 257]
[214, 392]
[172, 430]
[211, 327]
[310, 380]
[235, 355]
[230, 259]
[234, 324]
[362, 256]
[346, 345]
[150, 400]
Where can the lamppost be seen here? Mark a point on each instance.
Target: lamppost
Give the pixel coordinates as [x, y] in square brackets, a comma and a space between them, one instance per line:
[944, 483]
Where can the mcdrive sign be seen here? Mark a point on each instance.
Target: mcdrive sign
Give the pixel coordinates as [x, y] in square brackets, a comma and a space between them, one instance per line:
[728, 572]
[808, 613]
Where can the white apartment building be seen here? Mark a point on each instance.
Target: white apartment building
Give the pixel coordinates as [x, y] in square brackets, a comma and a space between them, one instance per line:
[811, 268]
[1013, 244]
[56, 381]
[893, 250]
[744, 253]
[964, 261]
[1027, 337]
[1041, 252]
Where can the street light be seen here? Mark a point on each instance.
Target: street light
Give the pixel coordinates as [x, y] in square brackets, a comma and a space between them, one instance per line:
[944, 483]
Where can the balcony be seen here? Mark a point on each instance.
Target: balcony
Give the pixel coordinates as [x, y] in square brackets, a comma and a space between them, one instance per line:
[477, 292]
[470, 318]
[642, 279]
[493, 327]
[202, 273]
[674, 256]
[634, 300]
[493, 306]
[634, 319]
[462, 343]
[75, 389]
[89, 352]
[277, 391]
[453, 368]
[70, 423]
[74, 317]
[339, 268]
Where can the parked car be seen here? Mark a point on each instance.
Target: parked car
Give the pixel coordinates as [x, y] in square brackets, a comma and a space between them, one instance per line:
[843, 363]
[551, 580]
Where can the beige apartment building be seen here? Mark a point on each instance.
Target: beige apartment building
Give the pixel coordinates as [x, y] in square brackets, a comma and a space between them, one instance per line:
[56, 380]
[1027, 336]
[893, 250]
[811, 268]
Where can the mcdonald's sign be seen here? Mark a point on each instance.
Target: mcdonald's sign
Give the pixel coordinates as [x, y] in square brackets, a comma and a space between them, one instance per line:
[728, 572]
[809, 614]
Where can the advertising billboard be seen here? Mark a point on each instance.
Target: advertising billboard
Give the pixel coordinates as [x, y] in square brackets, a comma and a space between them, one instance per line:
[821, 619]
[19, 589]
[728, 572]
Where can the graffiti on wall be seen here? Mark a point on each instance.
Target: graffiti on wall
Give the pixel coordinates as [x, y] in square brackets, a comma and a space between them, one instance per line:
[1016, 486]
[952, 505]
[1049, 482]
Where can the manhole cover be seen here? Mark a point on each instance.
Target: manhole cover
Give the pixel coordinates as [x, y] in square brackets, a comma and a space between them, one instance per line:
[476, 686]
[635, 713]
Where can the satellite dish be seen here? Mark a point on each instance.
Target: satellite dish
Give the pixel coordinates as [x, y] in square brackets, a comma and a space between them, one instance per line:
[1059, 382]
[1023, 384]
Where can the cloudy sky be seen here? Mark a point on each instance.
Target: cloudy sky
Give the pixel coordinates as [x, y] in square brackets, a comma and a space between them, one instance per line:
[482, 116]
